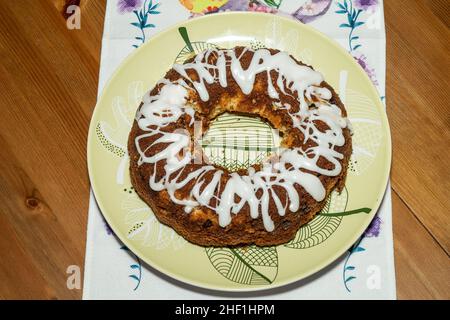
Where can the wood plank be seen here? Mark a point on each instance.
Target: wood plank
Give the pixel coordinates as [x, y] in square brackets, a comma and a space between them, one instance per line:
[20, 278]
[91, 28]
[51, 76]
[422, 267]
[419, 112]
[441, 9]
[38, 237]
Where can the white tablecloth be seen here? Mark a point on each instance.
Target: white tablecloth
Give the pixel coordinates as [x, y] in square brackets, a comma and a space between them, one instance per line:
[109, 267]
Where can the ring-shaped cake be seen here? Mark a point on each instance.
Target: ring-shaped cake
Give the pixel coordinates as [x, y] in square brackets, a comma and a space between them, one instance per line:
[267, 203]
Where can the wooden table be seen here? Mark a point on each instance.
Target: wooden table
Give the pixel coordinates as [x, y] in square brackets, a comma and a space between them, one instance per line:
[48, 88]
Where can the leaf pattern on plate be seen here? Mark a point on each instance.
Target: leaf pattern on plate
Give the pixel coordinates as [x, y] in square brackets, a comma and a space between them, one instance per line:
[250, 265]
[321, 227]
[284, 40]
[113, 135]
[367, 131]
[288, 41]
[108, 143]
[238, 142]
[191, 48]
[144, 227]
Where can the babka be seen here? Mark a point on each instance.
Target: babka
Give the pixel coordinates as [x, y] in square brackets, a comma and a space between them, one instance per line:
[266, 203]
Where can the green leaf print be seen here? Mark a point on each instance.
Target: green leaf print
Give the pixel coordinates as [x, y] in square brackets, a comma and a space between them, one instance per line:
[248, 265]
[106, 142]
[191, 48]
[322, 226]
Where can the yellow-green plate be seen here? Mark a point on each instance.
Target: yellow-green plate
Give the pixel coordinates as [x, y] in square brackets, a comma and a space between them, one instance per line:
[317, 244]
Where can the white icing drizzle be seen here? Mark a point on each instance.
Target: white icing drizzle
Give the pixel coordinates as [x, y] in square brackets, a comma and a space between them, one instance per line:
[169, 105]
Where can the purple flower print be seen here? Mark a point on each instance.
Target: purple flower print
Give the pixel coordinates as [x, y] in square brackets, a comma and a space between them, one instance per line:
[362, 60]
[312, 10]
[374, 228]
[107, 228]
[255, 7]
[366, 4]
[235, 5]
[124, 6]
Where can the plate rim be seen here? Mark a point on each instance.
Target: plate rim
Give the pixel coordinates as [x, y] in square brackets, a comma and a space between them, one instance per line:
[204, 284]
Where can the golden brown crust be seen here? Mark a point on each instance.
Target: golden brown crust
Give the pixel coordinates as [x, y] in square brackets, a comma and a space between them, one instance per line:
[201, 226]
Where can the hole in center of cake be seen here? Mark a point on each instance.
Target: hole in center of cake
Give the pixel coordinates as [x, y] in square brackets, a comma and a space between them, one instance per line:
[236, 142]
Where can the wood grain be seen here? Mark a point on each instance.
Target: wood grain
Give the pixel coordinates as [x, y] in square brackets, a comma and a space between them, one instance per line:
[49, 76]
[421, 265]
[419, 112]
